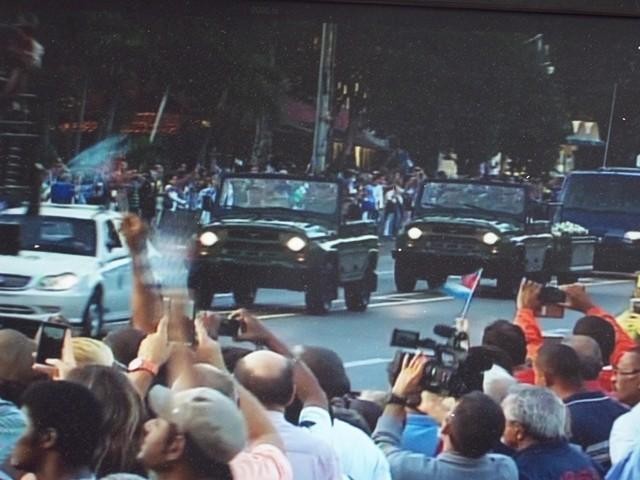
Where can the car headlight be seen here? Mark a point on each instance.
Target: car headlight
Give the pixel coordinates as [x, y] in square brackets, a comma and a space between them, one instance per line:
[414, 233]
[490, 238]
[295, 244]
[65, 281]
[208, 239]
[632, 236]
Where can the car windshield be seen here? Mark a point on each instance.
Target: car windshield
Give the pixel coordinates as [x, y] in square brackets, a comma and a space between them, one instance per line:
[55, 234]
[603, 193]
[278, 194]
[473, 199]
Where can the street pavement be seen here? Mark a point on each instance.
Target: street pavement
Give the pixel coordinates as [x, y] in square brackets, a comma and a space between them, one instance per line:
[362, 339]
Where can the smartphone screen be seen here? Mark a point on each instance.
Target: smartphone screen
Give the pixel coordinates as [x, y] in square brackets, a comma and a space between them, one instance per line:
[51, 341]
[551, 310]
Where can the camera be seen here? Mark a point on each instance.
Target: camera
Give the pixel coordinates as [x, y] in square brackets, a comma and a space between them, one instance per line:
[452, 369]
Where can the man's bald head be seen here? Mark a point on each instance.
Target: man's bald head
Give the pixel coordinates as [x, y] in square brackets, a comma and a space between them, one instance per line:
[205, 375]
[268, 376]
[589, 355]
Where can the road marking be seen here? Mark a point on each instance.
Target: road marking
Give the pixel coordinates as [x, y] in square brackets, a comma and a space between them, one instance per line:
[607, 282]
[367, 362]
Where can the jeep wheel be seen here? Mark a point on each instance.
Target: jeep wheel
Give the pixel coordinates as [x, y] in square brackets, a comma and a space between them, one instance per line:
[357, 296]
[567, 279]
[244, 296]
[436, 280]
[317, 300]
[93, 316]
[404, 277]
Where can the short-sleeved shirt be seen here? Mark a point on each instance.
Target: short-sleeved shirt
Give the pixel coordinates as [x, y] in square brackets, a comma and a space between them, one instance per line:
[307, 446]
[261, 462]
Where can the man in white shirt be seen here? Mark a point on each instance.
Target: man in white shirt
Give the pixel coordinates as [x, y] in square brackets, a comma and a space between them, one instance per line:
[626, 382]
[276, 379]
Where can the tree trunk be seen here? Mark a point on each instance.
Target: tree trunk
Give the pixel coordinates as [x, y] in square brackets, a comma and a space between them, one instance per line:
[262, 141]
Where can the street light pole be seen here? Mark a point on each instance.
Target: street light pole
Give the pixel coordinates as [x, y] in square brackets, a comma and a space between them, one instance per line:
[321, 135]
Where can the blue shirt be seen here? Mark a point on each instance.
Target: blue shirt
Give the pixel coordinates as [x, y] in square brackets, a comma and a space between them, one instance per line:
[12, 425]
[420, 434]
[592, 416]
[557, 460]
[62, 192]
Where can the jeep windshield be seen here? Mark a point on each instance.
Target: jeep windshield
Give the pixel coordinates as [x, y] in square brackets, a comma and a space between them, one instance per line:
[55, 234]
[278, 198]
[473, 199]
[605, 193]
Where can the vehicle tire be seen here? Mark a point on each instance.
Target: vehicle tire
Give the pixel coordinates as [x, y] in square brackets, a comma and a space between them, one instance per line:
[202, 297]
[404, 277]
[244, 296]
[357, 296]
[436, 280]
[567, 279]
[317, 300]
[93, 316]
[508, 285]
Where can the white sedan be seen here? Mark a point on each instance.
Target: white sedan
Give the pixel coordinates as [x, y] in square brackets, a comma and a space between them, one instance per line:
[72, 262]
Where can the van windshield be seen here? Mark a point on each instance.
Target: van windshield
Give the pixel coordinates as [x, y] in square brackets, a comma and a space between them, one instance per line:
[603, 193]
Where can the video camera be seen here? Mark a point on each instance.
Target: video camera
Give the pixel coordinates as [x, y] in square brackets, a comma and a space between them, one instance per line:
[453, 368]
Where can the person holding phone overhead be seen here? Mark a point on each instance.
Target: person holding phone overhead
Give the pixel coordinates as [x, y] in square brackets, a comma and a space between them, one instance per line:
[596, 323]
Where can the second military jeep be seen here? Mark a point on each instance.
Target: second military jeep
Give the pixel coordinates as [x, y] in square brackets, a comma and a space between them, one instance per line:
[460, 226]
[284, 232]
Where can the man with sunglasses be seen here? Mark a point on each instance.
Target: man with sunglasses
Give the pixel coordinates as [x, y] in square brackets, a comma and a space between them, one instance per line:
[626, 382]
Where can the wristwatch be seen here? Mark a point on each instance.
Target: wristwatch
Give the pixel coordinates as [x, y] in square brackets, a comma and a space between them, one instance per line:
[396, 400]
[138, 364]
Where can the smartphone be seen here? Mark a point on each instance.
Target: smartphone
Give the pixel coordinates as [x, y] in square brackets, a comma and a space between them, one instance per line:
[551, 310]
[229, 327]
[181, 314]
[552, 295]
[51, 342]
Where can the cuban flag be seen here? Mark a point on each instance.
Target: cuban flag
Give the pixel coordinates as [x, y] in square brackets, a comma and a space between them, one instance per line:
[465, 287]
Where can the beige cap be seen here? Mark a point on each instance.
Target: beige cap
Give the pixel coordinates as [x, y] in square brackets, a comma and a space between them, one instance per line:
[211, 420]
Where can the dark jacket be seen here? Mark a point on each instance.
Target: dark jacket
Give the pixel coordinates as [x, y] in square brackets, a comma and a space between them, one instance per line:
[556, 460]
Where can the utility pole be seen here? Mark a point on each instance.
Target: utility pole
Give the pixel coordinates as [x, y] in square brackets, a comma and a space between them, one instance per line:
[323, 121]
[613, 106]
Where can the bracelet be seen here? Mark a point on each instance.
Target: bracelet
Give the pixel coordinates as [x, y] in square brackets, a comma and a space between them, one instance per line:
[396, 400]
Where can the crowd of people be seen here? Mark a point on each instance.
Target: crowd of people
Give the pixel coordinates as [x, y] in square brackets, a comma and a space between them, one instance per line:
[163, 399]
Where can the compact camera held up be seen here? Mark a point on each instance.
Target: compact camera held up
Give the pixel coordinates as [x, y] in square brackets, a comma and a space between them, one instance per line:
[453, 369]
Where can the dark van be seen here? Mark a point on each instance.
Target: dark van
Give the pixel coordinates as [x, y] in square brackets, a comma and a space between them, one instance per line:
[607, 203]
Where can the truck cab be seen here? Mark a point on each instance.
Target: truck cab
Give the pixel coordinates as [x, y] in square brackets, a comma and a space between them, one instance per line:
[605, 202]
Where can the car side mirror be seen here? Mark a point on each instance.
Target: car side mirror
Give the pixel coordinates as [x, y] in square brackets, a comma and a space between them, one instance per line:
[112, 245]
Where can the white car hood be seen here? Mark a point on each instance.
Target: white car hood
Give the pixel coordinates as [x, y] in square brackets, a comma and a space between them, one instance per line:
[40, 264]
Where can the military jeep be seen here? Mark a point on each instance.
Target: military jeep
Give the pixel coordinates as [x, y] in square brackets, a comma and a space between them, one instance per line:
[460, 226]
[283, 232]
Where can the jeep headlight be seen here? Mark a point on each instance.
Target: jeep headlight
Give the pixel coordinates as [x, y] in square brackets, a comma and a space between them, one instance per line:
[65, 281]
[490, 238]
[208, 239]
[295, 244]
[632, 236]
[414, 233]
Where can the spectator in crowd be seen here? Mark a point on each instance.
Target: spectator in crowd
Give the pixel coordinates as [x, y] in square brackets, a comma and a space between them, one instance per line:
[359, 456]
[597, 324]
[195, 435]
[592, 413]
[62, 190]
[536, 427]
[588, 352]
[89, 351]
[506, 343]
[626, 429]
[270, 377]
[123, 419]
[62, 433]
[16, 374]
[469, 434]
